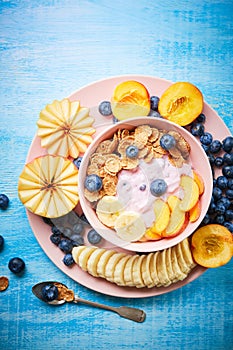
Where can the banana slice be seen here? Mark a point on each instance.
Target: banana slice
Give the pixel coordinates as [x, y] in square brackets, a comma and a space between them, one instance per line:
[146, 270]
[153, 270]
[181, 261]
[108, 210]
[162, 269]
[84, 256]
[130, 226]
[118, 273]
[128, 278]
[101, 265]
[170, 272]
[137, 272]
[185, 246]
[76, 251]
[180, 275]
[93, 261]
[111, 264]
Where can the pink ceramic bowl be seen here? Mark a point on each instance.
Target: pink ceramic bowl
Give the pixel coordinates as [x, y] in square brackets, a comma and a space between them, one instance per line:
[199, 162]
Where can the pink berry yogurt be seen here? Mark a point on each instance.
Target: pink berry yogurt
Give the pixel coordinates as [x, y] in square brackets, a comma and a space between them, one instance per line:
[133, 188]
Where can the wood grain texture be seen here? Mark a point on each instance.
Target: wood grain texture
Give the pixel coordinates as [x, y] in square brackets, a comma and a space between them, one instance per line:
[50, 48]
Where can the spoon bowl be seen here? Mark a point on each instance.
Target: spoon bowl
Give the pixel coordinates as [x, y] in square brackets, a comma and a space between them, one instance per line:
[37, 291]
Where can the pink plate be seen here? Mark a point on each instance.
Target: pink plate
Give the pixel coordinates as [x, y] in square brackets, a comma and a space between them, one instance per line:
[91, 95]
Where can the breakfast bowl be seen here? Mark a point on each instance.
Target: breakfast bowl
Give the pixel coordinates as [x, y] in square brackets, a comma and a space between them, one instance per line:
[145, 184]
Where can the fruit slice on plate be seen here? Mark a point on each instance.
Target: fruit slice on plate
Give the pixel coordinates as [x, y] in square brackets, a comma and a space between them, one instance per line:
[191, 192]
[65, 128]
[212, 245]
[108, 209]
[130, 99]
[130, 226]
[181, 103]
[118, 273]
[48, 186]
[177, 219]
[162, 215]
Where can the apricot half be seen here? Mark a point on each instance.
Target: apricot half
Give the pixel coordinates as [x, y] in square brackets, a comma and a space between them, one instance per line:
[181, 103]
[130, 99]
[212, 245]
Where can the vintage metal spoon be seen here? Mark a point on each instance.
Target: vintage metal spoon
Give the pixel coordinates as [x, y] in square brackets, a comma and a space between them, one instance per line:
[131, 313]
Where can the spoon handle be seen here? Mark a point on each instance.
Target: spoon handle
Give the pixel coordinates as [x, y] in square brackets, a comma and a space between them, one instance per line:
[131, 313]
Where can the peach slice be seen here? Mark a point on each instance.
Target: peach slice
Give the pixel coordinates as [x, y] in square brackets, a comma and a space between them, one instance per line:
[151, 236]
[162, 216]
[212, 245]
[130, 99]
[178, 219]
[195, 212]
[181, 103]
[199, 181]
[191, 193]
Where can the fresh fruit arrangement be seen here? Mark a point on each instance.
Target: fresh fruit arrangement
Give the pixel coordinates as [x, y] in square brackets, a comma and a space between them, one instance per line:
[159, 269]
[141, 183]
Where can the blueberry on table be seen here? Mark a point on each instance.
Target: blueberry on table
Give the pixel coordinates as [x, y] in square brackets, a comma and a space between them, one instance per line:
[77, 240]
[224, 201]
[16, 265]
[93, 237]
[132, 152]
[154, 114]
[201, 118]
[230, 184]
[219, 219]
[105, 108]
[229, 194]
[154, 102]
[68, 259]
[1, 242]
[206, 139]
[93, 183]
[228, 158]
[229, 215]
[227, 171]
[197, 129]
[65, 245]
[221, 182]
[217, 192]
[4, 201]
[218, 162]
[78, 228]
[205, 148]
[227, 144]
[67, 232]
[167, 142]
[55, 230]
[215, 146]
[77, 162]
[55, 239]
[229, 226]
[158, 187]
[49, 292]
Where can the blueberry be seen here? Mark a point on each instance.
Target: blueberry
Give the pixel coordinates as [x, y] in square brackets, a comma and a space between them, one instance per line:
[220, 209]
[154, 102]
[218, 162]
[47, 221]
[55, 230]
[105, 108]
[155, 114]
[67, 232]
[217, 192]
[212, 208]
[227, 171]
[228, 158]
[115, 120]
[55, 239]
[16, 265]
[142, 187]
[65, 245]
[230, 184]
[93, 183]
[197, 129]
[77, 162]
[93, 237]
[206, 220]
[68, 259]
[224, 201]
[206, 139]
[227, 144]
[221, 182]
[219, 219]
[229, 226]
[77, 240]
[132, 151]
[229, 215]
[215, 146]
[211, 159]
[1, 242]
[167, 141]
[229, 194]
[158, 187]
[78, 227]
[4, 201]
[201, 118]
[205, 148]
[49, 292]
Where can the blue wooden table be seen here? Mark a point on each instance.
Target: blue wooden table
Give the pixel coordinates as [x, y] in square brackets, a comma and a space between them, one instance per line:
[51, 48]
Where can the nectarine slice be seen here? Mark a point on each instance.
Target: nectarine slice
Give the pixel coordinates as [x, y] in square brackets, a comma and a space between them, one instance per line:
[130, 99]
[150, 236]
[177, 219]
[162, 215]
[199, 181]
[212, 245]
[181, 103]
[195, 212]
[191, 193]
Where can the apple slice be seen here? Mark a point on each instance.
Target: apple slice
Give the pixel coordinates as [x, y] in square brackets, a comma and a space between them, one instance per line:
[130, 99]
[191, 193]
[212, 245]
[177, 218]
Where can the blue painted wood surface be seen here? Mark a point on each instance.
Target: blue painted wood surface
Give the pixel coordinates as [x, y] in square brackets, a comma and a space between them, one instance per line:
[50, 48]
